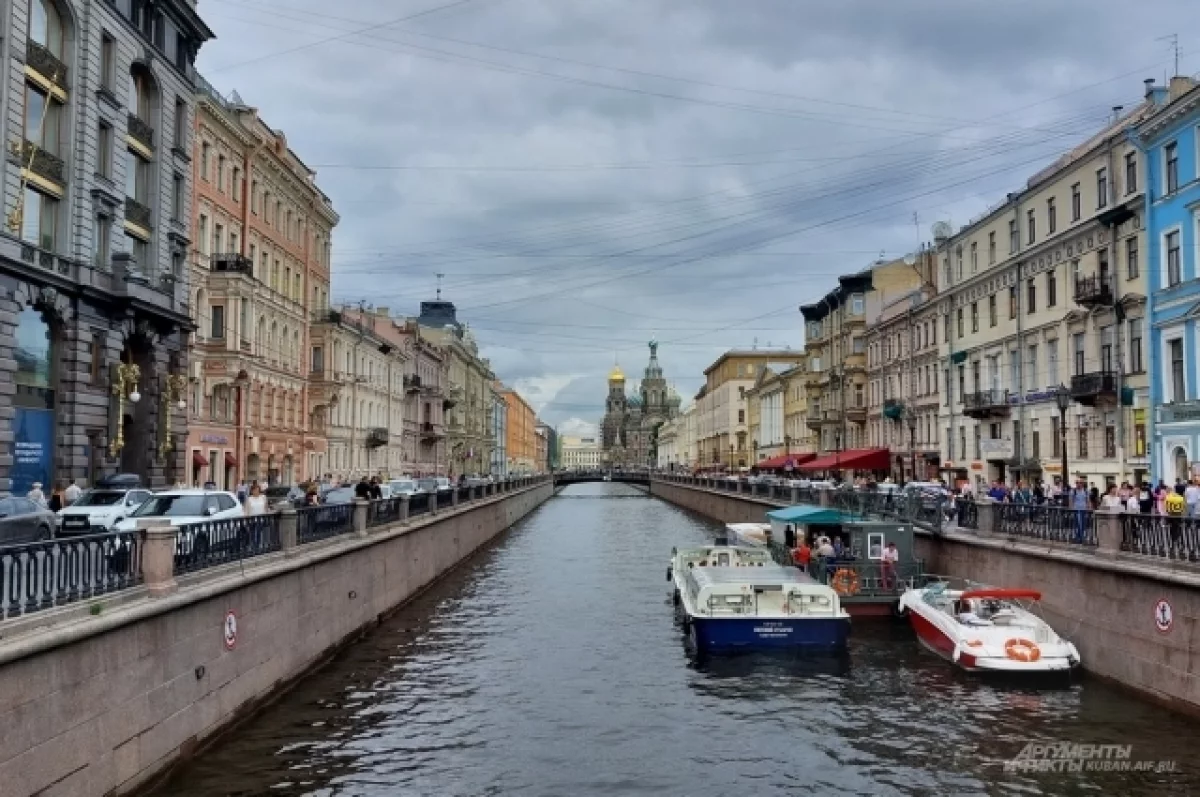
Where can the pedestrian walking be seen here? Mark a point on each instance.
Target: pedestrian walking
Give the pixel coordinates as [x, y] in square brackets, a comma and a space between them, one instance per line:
[1191, 495]
[72, 493]
[36, 495]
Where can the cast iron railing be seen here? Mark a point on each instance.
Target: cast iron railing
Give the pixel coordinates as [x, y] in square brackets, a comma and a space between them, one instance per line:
[141, 130]
[384, 511]
[967, 514]
[216, 542]
[315, 523]
[41, 575]
[1161, 535]
[418, 504]
[1043, 522]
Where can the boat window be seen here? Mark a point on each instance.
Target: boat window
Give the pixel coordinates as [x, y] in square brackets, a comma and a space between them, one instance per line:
[723, 560]
[874, 546]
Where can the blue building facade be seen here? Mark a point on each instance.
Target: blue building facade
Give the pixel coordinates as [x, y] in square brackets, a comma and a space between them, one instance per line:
[1171, 143]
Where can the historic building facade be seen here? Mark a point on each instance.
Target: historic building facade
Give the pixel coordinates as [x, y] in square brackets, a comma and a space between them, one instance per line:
[631, 421]
[578, 453]
[259, 277]
[97, 103]
[520, 421]
[499, 425]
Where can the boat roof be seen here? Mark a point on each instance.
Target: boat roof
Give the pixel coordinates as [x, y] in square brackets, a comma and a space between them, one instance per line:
[767, 575]
[804, 513]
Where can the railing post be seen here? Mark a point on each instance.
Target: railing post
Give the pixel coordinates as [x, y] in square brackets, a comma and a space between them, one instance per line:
[741, 486]
[795, 495]
[359, 516]
[289, 526]
[989, 520]
[433, 502]
[404, 509]
[157, 538]
[825, 498]
[1109, 531]
[454, 498]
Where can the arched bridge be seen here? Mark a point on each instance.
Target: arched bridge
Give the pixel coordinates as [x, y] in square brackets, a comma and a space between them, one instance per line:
[562, 479]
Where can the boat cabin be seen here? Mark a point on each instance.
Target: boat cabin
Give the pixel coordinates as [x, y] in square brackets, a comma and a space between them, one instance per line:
[771, 591]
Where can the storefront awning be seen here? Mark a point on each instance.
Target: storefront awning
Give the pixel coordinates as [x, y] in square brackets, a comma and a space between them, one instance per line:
[230, 460]
[853, 459]
[198, 460]
[783, 461]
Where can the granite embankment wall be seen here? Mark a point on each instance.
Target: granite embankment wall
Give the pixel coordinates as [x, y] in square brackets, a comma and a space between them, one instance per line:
[100, 704]
[1103, 600]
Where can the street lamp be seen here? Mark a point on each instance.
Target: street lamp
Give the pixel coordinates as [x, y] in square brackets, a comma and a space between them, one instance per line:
[1062, 397]
[910, 416]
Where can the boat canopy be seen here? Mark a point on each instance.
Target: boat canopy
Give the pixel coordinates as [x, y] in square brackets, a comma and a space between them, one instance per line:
[808, 515]
[988, 592]
[767, 575]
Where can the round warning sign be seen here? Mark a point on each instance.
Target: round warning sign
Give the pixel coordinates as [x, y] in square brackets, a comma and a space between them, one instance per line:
[1164, 615]
[230, 629]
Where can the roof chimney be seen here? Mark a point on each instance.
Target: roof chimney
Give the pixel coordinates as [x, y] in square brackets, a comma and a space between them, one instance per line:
[1116, 109]
[382, 312]
[1149, 86]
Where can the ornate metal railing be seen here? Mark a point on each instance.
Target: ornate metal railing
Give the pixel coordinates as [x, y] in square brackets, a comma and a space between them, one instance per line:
[925, 509]
[41, 60]
[315, 523]
[41, 575]
[216, 542]
[231, 262]
[1092, 384]
[871, 579]
[967, 512]
[986, 399]
[1043, 522]
[1093, 289]
[40, 162]
[1161, 535]
[384, 511]
[418, 504]
[139, 214]
[141, 130]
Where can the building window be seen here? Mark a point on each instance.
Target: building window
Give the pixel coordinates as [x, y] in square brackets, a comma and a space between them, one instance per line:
[1171, 172]
[218, 321]
[39, 219]
[181, 52]
[1030, 296]
[962, 382]
[1012, 301]
[1174, 274]
[1014, 236]
[104, 149]
[1135, 346]
[741, 416]
[177, 197]
[221, 173]
[1037, 440]
[992, 310]
[1130, 172]
[108, 62]
[856, 304]
[205, 153]
[101, 242]
[137, 178]
[1080, 349]
[992, 248]
[958, 259]
[974, 316]
[946, 323]
[202, 234]
[218, 238]
[974, 256]
[43, 116]
[235, 184]
[1051, 362]
[1110, 441]
[1051, 217]
[1076, 203]
[181, 118]
[1101, 188]
[1031, 221]
[1051, 289]
[960, 323]
[1082, 443]
[1031, 362]
[1133, 269]
[1178, 383]
[96, 360]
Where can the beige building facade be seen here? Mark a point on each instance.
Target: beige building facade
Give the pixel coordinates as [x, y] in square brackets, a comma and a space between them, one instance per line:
[579, 453]
[723, 427]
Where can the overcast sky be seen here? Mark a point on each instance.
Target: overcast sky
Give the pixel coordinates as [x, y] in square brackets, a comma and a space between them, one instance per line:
[591, 174]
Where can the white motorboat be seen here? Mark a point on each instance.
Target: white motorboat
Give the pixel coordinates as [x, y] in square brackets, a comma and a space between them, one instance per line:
[753, 534]
[731, 597]
[987, 629]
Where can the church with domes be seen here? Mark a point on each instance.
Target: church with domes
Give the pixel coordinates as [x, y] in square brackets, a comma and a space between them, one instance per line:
[629, 430]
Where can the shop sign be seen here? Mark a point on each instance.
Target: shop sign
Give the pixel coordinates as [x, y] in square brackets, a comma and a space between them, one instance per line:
[996, 449]
[1179, 413]
[217, 439]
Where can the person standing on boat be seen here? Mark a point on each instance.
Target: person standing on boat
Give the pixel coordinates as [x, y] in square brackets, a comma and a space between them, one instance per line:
[789, 536]
[887, 566]
[802, 555]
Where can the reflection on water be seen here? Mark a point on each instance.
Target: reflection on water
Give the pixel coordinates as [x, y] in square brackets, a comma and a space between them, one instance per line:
[551, 665]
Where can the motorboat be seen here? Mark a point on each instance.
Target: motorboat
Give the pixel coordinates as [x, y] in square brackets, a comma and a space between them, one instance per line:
[607, 477]
[732, 597]
[750, 534]
[987, 629]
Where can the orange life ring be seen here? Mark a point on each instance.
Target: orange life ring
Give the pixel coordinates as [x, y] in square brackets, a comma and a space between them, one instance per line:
[1022, 650]
[845, 582]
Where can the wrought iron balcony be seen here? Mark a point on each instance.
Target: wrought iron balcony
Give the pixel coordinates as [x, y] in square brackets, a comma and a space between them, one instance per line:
[138, 213]
[39, 161]
[377, 437]
[1099, 387]
[326, 316]
[45, 63]
[141, 131]
[412, 384]
[432, 431]
[1094, 291]
[986, 404]
[231, 262]
[813, 421]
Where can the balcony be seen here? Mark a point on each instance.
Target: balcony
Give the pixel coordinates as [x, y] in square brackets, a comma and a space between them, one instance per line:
[45, 63]
[139, 214]
[893, 409]
[813, 420]
[856, 414]
[39, 161]
[1099, 387]
[231, 263]
[855, 362]
[432, 431]
[832, 418]
[453, 396]
[1094, 291]
[377, 437]
[141, 131]
[412, 383]
[986, 404]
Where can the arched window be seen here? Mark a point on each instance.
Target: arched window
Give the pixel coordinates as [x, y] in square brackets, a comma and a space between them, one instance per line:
[34, 402]
[141, 93]
[46, 28]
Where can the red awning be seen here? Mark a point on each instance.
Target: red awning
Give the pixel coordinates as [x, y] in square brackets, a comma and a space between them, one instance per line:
[853, 459]
[782, 461]
[230, 460]
[198, 460]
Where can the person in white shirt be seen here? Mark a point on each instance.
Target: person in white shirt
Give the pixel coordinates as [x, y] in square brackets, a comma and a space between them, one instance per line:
[256, 502]
[72, 493]
[887, 566]
[1192, 496]
[1111, 500]
[1131, 503]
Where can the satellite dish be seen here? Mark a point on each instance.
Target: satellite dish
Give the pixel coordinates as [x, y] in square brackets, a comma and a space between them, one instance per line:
[942, 231]
[910, 259]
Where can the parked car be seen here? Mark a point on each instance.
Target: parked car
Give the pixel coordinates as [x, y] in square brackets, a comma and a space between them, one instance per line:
[99, 509]
[182, 507]
[22, 520]
[435, 484]
[401, 487]
[338, 495]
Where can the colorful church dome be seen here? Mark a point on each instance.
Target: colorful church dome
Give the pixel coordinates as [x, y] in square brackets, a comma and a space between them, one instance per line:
[616, 374]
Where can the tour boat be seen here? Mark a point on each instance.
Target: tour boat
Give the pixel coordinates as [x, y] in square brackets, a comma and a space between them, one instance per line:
[987, 629]
[752, 534]
[732, 597]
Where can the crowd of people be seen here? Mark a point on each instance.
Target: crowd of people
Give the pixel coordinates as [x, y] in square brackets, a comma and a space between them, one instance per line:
[1180, 500]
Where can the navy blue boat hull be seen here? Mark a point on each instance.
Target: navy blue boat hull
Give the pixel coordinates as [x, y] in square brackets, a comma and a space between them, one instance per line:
[819, 635]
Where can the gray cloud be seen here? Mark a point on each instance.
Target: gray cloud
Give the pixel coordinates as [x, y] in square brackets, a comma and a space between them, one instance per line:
[577, 211]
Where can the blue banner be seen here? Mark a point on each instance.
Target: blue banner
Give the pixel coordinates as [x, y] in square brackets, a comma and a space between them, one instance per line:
[33, 449]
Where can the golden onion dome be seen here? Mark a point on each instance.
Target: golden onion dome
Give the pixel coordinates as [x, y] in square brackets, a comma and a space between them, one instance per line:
[616, 374]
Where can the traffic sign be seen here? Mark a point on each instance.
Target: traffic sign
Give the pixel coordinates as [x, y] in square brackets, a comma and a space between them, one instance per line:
[1164, 615]
[230, 630]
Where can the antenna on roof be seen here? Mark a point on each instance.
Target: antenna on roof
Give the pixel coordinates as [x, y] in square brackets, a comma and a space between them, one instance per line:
[1174, 41]
[439, 285]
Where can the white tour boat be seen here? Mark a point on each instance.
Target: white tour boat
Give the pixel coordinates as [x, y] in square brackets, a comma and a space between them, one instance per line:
[732, 597]
[987, 629]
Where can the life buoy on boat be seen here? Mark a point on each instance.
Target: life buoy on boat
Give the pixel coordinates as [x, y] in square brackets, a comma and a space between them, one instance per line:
[845, 582]
[1022, 650]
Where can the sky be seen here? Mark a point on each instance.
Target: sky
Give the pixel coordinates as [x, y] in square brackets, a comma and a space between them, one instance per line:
[589, 175]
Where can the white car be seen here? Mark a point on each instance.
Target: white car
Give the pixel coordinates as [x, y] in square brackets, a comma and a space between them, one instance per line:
[99, 510]
[182, 507]
[435, 484]
[401, 487]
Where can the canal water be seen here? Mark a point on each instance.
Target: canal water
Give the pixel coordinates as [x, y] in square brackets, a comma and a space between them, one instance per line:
[550, 665]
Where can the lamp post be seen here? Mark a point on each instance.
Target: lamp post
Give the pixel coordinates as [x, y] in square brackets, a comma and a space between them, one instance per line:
[910, 416]
[1062, 397]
